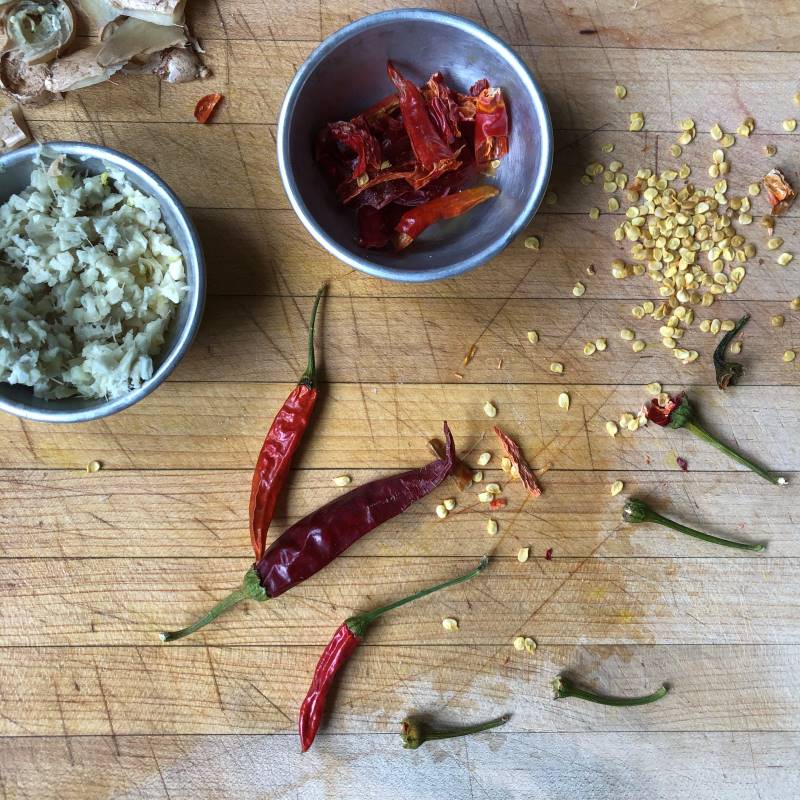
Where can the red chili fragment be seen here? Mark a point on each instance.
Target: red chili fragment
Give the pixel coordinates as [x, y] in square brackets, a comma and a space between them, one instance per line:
[206, 106]
[416, 220]
[491, 127]
[496, 503]
[779, 192]
[682, 463]
[512, 451]
[548, 554]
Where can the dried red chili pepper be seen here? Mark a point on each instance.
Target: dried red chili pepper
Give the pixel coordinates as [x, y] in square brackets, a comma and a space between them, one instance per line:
[512, 451]
[426, 142]
[314, 541]
[442, 107]
[206, 106]
[678, 413]
[347, 638]
[279, 447]
[779, 191]
[491, 127]
[417, 219]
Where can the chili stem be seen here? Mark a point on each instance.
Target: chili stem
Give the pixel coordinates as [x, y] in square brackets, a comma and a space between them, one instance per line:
[452, 733]
[250, 589]
[360, 622]
[706, 537]
[310, 375]
[564, 688]
[707, 437]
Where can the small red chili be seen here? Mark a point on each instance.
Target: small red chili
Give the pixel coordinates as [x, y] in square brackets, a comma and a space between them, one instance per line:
[206, 106]
[347, 638]
[283, 438]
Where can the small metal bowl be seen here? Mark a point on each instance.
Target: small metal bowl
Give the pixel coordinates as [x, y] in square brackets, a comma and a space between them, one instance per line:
[347, 73]
[15, 172]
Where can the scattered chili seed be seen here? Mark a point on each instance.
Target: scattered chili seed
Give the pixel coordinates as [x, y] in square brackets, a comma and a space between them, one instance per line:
[484, 459]
[789, 356]
[489, 409]
[93, 466]
[441, 511]
[532, 243]
[450, 624]
[785, 258]
[653, 388]
[533, 337]
[611, 428]
[505, 464]
[556, 367]
[777, 320]
[485, 497]
[491, 527]
[589, 348]
[770, 150]
[789, 125]
[795, 304]
[563, 401]
[601, 344]
[523, 554]
[450, 503]
[477, 476]
[341, 480]
[519, 643]
[638, 346]
[493, 488]
[579, 289]
[620, 91]
[530, 644]
[616, 488]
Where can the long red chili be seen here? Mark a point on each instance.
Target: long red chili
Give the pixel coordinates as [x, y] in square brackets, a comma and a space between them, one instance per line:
[317, 539]
[416, 220]
[347, 638]
[427, 144]
[279, 447]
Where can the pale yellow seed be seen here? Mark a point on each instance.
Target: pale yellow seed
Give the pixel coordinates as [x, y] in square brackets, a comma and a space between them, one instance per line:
[615, 166]
[687, 124]
[450, 503]
[585, 180]
[620, 91]
[578, 289]
[789, 125]
[653, 388]
[601, 344]
[637, 312]
[785, 258]
[450, 624]
[608, 147]
[680, 353]
[638, 346]
[684, 172]
[489, 409]
[716, 325]
[484, 459]
[485, 497]
[477, 476]
[648, 306]
[342, 480]
[753, 189]
[777, 320]
[491, 527]
[717, 156]
[636, 124]
[633, 425]
[493, 488]
[728, 140]
[736, 348]
[441, 511]
[770, 150]
[609, 187]
[532, 243]
[594, 213]
[685, 138]
[94, 466]
[505, 464]
[556, 367]
[523, 554]
[563, 401]
[530, 645]
[533, 337]
[715, 132]
[611, 428]
[774, 243]
[519, 643]
[616, 488]
[589, 349]
[675, 150]
[713, 171]
[727, 325]
[613, 204]
[627, 334]
[789, 356]
[797, 98]
[795, 304]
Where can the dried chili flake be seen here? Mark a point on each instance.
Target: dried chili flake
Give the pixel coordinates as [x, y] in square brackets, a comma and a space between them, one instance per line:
[548, 554]
[497, 503]
[206, 106]
[779, 192]
[511, 449]
[682, 463]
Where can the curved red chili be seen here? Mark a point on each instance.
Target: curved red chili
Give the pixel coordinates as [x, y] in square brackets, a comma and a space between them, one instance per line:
[314, 541]
[417, 219]
[347, 638]
[279, 447]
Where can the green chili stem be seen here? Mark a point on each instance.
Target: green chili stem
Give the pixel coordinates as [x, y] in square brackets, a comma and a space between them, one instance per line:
[452, 733]
[652, 516]
[310, 375]
[707, 437]
[250, 589]
[360, 622]
[564, 688]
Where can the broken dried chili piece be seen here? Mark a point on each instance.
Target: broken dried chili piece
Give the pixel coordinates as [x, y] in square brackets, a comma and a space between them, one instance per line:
[206, 106]
[491, 127]
[779, 192]
[682, 463]
[496, 503]
[548, 554]
[678, 413]
[417, 219]
[512, 451]
[347, 638]
[728, 372]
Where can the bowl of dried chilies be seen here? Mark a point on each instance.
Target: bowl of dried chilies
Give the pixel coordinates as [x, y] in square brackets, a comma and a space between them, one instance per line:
[414, 145]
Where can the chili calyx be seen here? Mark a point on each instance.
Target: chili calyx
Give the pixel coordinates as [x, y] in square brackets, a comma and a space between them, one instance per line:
[636, 511]
[563, 687]
[251, 589]
[280, 444]
[415, 732]
[347, 638]
[728, 372]
[678, 413]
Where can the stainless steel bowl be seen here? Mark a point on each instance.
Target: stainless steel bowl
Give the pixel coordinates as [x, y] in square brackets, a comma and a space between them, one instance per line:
[15, 172]
[347, 73]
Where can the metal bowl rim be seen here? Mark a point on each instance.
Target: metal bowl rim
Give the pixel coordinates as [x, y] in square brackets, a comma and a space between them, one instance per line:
[287, 173]
[195, 268]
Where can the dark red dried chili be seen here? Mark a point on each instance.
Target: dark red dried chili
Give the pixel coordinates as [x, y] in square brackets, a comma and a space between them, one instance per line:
[417, 219]
[347, 638]
[279, 447]
[314, 541]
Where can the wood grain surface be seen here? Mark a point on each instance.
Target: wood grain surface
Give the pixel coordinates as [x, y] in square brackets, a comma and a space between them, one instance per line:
[92, 566]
